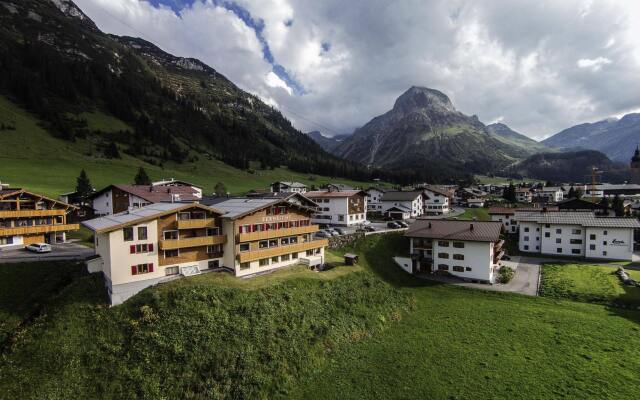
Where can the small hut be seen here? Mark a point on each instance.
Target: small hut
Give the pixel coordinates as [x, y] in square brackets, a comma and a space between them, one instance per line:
[350, 259]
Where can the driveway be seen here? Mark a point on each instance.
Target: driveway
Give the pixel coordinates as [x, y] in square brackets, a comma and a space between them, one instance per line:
[65, 251]
[525, 280]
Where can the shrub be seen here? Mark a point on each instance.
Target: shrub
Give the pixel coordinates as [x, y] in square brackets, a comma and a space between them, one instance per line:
[505, 274]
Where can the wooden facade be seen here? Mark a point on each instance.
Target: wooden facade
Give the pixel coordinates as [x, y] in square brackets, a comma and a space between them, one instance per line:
[195, 234]
[27, 218]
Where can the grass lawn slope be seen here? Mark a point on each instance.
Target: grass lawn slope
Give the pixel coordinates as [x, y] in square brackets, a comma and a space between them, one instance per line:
[589, 283]
[32, 158]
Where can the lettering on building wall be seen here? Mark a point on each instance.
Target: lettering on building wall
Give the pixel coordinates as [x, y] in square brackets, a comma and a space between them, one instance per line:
[276, 218]
[617, 242]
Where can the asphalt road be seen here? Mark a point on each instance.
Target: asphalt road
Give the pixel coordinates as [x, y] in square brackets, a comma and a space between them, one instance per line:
[65, 251]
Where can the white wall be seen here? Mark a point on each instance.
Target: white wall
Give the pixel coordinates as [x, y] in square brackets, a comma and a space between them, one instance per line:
[619, 243]
[548, 245]
[103, 204]
[255, 268]
[477, 256]
[121, 260]
[533, 235]
[337, 207]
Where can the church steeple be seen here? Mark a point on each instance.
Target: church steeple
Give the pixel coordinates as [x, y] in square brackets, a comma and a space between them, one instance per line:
[636, 156]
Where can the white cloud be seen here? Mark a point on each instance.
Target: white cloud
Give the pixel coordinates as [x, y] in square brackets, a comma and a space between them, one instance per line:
[498, 59]
[595, 64]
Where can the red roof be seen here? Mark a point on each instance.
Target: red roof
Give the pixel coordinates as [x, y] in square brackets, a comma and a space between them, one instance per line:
[157, 194]
[475, 231]
[341, 193]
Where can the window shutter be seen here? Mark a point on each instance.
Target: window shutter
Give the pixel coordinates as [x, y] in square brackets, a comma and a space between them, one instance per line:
[132, 249]
[150, 247]
[134, 270]
[150, 267]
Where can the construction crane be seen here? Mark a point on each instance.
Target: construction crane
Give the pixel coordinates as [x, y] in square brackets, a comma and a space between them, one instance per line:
[595, 177]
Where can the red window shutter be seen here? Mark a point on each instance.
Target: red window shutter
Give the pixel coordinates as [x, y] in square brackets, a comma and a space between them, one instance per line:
[150, 267]
[134, 270]
[132, 249]
[150, 247]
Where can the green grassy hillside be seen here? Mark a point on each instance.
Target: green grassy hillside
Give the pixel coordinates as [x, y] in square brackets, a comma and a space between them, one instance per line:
[30, 157]
[369, 332]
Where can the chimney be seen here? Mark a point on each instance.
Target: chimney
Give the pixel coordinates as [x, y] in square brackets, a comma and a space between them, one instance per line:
[471, 227]
[429, 225]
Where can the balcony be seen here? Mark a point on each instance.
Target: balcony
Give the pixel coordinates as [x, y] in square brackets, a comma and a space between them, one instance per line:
[301, 230]
[36, 229]
[276, 251]
[31, 213]
[196, 223]
[172, 244]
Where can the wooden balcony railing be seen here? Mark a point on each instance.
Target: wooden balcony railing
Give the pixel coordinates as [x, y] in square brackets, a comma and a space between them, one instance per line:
[197, 223]
[31, 213]
[280, 250]
[35, 229]
[172, 244]
[248, 237]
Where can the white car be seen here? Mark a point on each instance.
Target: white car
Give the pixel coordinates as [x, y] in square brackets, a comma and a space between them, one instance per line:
[39, 247]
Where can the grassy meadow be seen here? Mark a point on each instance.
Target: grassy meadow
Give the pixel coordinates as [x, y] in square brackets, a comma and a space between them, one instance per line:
[30, 157]
[365, 332]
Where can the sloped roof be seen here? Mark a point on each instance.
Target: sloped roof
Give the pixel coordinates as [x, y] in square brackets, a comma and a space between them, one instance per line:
[156, 194]
[112, 222]
[400, 196]
[341, 193]
[438, 190]
[291, 184]
[512, 210]
[587, 219]
[237, 207]
[13, 191]
[475, 231]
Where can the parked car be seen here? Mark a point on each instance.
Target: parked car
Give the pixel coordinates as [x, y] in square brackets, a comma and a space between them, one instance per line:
[366, 229]
[39, 247]
[331, 232]
[403, 224]
[341, 231]
[322, 234]
[393, 225]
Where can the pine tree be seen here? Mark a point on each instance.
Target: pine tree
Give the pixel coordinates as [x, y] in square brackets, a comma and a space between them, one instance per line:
[579, 193]
[111, 151]
[618, 206]
[572, 192]
[142, 178]
[83, 187]
[220, 189]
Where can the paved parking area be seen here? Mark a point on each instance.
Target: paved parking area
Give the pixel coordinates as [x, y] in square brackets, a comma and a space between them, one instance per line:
[64, 251]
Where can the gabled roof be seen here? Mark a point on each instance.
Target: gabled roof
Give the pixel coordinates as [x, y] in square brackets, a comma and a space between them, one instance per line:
[512, 210]
[155, 194]
[401, 196]
[238, 207]
[438, 190]
[523, 190]
[475, 231]
[399, 208]
[7, 192]
[379, 189]
[166, 182]
[340, 186]
[587, 219]
[113, 222]
[341, 193]
[290, 184]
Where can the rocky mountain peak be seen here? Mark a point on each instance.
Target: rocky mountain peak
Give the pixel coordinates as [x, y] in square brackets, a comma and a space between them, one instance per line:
[419, 98]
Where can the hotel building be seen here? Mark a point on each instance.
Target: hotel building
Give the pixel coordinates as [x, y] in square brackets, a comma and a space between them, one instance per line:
[339, 207]
[27, 218]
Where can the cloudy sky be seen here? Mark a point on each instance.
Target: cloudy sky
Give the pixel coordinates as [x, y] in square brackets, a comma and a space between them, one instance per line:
[539, 66]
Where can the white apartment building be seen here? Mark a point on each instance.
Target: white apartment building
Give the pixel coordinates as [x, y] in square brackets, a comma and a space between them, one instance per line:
[509, 215]
[374, 199]
[117, 198]
[400, 204]
[288, 187]
[153, 244]
[549, 194]
[436, 201]
[524, 195]
[577, 234]
[339, 207]
[470, 250]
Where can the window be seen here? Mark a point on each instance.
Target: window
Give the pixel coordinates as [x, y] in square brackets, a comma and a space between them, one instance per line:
[263, 244]
[244, 246]
[526, 238]
[604, 253]
[443, 255]
[576, 231]
[458, 268]
[184, 216]
[213, 249]
[309, 253]
[526, 247]
[526, 229]
[558, 231]
[341, 217]
[141, 269]
[142, 233]
[592, 237]
[443, 243]
[605, 233]
[141, 248]
[284, 257]
[128, 234]
[575, 251]
[171, 270]
[284, 241]
[294, 256]
[468, 269]
[213, 231]
[592, 247]
[214, 264]
[458, 245]
[244, 265]
[171, 253]
[604, 242]
[547, 234]
[458, 256]
[273, 243]
[558, 240]
[170, 235]
[443, 267]
[264, 262]
[276, 259]
[293, 240]
[575, 241]
[559, 250]
[547, 225]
